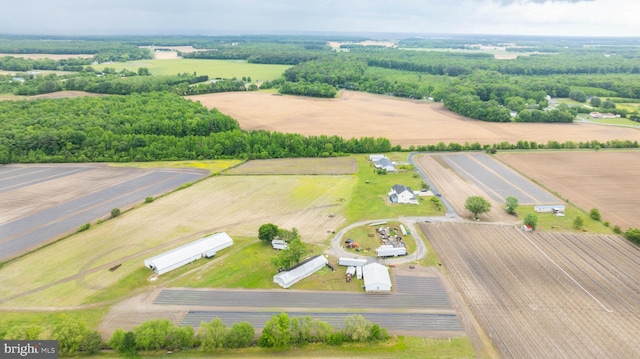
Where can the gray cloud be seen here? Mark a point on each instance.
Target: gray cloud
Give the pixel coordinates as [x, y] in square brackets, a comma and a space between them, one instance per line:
[510, 2]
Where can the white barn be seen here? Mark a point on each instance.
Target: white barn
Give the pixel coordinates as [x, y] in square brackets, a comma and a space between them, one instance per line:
[352, 262]
[376, 278]
[376, 157]
[301, 271]
[176, 258]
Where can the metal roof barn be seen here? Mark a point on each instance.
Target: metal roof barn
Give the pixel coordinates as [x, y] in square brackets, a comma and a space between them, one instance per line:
[355, 262]
[176, 258]
[376, 278]
[301, 271]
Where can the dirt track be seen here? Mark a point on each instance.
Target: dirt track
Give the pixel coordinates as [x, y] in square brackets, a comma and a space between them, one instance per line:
[404, 122]
[551, 295]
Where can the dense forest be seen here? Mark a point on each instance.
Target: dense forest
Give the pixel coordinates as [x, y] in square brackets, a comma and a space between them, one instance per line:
[147, 127]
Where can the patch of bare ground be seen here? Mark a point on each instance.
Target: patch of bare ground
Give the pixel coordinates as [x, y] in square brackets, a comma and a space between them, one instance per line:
[455, 188]
[65, 94]
[604, 180]
[298, 166]
[357, 114]
[545, 294]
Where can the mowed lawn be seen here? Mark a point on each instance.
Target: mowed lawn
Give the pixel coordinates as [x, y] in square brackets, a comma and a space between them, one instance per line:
[213, 68]
[71, 271]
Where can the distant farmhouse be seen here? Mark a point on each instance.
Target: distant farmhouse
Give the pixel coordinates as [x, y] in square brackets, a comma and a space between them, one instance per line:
[402, 194]
[602, 115]
[382, 163]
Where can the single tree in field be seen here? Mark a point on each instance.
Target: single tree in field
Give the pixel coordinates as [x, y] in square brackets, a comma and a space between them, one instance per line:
[267, 232]
[578, 222]
[595, 101]
[595, 214]
[477, 205]
[115, 212]
[531, 220]
[511, 205]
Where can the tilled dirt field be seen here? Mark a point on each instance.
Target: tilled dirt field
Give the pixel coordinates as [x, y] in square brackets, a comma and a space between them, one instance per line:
[404, 122]
[546, 294]
[456, 188]
[604, 180]
[298, 166]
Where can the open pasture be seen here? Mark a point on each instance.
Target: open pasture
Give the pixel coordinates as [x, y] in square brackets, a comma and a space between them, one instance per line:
[545, 294]
[606, 180]
[40, 203]
[298, 166]
[213, 68]
[69, 272]
[404, 122]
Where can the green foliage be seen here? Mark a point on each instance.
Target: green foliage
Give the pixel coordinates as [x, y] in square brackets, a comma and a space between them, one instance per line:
[511, 204]
[153, 334]
[115, 212]
[595, 214]
[357, 328]
[633, 235]
[148, 199]
[437, 203]
[240, 335]
[308, 89]
[212, 335]
[531, 220]
[23, 332]
[267, 232]
[290, 256]
[276, 332]
[578, 96]
[595, 102]
[617, 229]
[477, 205]
[69, 333]
[578, 222]
[84, 227]
[91, 343]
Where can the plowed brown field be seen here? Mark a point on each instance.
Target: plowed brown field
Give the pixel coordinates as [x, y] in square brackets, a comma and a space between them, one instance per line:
[604, 180]
[404, 122]
[546, 294]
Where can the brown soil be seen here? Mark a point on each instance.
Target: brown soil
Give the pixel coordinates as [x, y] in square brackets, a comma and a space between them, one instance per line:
[545, 294]
[604, 180]
[456, 188]
[404, 122]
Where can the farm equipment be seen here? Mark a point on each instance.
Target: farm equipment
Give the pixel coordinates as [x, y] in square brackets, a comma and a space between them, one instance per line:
[353, 245]
[351, 271]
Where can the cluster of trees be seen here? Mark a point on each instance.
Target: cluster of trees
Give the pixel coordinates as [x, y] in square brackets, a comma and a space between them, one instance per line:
[279, 332]
[292, 254]
[308, 89]
[264, 52]
[148, 127]
[10, 63]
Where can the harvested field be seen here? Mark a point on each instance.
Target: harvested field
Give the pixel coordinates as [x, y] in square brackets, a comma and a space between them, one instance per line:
[356, 114]
[70, 271]
[604, 180]
[496, 179]
[65, 94]
[455, 188]
[41, 203]
[546, 294]
[298, 166]
[50, 56]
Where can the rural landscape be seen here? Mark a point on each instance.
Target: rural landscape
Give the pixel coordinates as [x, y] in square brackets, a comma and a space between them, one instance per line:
[414, 197]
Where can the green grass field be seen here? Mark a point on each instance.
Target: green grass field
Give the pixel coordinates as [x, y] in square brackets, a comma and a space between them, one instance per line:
[551, 222]
[610, 121]
[213, 68]
[214, 167]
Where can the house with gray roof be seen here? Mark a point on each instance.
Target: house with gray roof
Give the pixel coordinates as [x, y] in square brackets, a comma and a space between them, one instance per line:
[402, 194]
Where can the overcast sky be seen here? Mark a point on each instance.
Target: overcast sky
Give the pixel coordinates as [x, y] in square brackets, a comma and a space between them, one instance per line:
[212, 17]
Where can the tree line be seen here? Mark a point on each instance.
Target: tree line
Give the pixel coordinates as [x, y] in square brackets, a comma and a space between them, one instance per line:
[279, 332]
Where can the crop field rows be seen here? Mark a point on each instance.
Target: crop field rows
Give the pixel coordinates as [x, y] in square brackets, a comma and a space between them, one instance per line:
[497, 180]
[43, 203]
[546, 294]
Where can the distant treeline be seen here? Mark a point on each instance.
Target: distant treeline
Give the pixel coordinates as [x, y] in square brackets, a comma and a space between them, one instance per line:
[103, 51]
[148, 127]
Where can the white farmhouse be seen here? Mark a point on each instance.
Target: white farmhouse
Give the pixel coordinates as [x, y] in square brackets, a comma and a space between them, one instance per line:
[384, 163]
[402, 194]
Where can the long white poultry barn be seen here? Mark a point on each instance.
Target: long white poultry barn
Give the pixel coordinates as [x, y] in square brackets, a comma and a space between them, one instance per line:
[300, 271]
[206, 247]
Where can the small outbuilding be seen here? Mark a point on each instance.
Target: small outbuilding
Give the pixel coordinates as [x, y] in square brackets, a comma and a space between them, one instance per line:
[553, 208]
[355, 262]
[376, 278]
[206, 247]
[297, 273]
[279, 244]
[376, 157]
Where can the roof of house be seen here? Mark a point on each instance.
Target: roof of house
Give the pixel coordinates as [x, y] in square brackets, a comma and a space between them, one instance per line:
[375, 274]
[384, 162]
[398, 188]
[300, 271]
